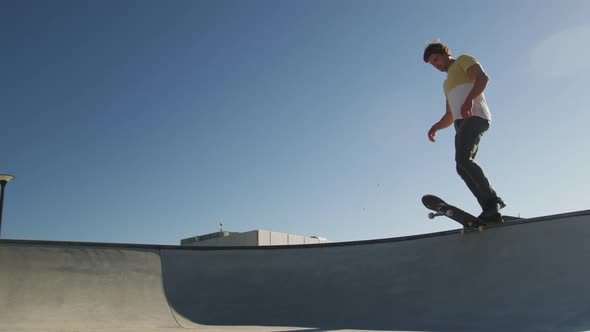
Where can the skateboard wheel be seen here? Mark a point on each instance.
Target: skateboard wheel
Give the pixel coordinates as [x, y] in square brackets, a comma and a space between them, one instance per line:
[431, 215]
[449, 213]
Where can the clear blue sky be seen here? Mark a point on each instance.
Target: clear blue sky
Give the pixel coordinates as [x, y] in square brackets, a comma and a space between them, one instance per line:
[150, 121]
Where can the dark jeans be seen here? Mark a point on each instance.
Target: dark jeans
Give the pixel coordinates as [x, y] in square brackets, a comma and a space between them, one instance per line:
[469, 133]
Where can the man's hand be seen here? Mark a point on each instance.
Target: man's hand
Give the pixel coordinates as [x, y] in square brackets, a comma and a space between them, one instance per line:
[466, 109]
[445, 122]
[431, 134]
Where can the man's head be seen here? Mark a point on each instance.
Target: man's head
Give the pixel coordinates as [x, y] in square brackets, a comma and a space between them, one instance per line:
[438, 55]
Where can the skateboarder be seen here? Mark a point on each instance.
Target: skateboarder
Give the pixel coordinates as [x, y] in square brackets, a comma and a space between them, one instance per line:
[467, 110]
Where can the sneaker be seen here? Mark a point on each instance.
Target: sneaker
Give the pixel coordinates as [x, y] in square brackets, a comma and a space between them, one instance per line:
[493, 218]
[500, 203]
[494, 205]
[493, 211]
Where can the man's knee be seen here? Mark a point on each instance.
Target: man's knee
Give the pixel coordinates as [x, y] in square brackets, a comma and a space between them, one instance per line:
[460, 170]
[463, 164]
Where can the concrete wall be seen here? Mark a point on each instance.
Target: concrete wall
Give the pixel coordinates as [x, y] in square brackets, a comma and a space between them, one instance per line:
[518, 277]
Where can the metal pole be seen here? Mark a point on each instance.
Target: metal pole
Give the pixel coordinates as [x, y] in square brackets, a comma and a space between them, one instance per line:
[3, 184]
[4, 178]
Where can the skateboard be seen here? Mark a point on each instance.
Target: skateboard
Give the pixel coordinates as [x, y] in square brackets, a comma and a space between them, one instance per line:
[469, 222]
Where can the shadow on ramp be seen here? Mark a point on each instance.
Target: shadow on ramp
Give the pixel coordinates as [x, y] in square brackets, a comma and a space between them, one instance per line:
[528, 275]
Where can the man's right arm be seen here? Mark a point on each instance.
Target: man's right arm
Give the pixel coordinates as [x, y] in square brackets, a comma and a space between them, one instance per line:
[445, 122]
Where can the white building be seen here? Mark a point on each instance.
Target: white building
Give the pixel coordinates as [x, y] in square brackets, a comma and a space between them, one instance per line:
[250, 239]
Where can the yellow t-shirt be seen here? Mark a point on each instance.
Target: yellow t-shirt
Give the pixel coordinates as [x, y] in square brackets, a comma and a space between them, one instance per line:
[458, 85]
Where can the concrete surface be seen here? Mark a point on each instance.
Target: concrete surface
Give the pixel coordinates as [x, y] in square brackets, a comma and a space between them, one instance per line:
[529, 275]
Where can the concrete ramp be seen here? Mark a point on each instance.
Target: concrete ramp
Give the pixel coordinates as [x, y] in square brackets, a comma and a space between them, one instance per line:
[521, 276]
[79, 286]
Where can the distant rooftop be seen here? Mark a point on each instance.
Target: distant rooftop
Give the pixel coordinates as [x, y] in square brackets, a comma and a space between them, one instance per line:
[251, 238]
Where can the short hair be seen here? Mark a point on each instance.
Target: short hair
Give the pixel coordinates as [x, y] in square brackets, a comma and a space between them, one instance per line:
[436, 47]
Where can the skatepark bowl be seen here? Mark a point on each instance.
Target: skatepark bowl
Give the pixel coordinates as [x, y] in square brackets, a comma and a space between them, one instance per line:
[527, 275]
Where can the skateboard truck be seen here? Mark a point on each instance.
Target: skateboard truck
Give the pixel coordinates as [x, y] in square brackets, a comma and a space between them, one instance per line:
[448, 213]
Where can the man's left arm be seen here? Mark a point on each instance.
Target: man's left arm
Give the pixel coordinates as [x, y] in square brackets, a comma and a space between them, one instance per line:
[476, 73]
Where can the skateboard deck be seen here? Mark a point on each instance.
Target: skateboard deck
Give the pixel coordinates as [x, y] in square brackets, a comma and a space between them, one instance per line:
[441, 208]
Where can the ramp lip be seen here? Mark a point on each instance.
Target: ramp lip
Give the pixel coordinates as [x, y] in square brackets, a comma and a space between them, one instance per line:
[523, 221]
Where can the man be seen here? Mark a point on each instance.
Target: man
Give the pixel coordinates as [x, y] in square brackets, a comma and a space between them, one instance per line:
[467, 110]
